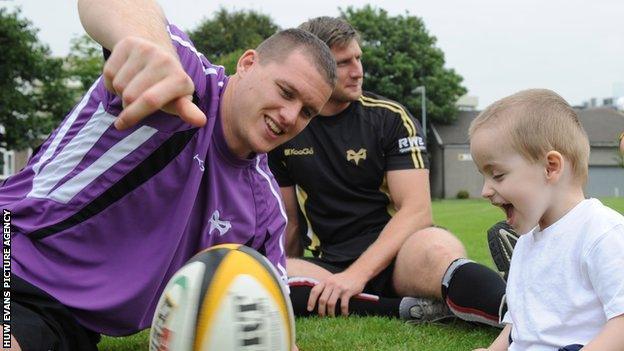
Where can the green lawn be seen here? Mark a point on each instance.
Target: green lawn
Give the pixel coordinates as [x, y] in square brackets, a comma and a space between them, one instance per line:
[468, 219]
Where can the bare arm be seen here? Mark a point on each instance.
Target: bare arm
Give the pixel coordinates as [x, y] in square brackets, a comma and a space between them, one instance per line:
[143, 69]
[610, 338]
[501, 343]
[293, 243]
[139, 18]
[409, 190]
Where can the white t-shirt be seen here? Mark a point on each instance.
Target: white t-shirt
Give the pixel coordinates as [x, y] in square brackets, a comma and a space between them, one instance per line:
[566, 281]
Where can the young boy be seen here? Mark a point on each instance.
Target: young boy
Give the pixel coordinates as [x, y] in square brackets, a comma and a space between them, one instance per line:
[566, 284]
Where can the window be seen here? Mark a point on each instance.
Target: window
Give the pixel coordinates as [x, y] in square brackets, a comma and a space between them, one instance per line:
[7, 163]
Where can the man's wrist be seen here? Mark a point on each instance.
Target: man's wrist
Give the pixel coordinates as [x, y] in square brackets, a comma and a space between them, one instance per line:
[362, 273]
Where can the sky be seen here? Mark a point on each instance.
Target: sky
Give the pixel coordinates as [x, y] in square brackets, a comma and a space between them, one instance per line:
[574, 47]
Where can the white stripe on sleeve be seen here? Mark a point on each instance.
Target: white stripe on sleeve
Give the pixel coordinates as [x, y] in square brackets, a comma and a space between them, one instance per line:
[282, 211]
[123, 148]
[64, 128]
[71, 155]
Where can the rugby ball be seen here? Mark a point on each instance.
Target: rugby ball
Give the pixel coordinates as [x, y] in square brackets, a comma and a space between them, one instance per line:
[228, 297]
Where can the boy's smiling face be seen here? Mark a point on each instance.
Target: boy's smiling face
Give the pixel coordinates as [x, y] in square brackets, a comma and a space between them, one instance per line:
[519, 187]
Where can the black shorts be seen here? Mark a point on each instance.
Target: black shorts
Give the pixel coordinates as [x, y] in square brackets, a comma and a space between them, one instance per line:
[380, 285]
[40, 323]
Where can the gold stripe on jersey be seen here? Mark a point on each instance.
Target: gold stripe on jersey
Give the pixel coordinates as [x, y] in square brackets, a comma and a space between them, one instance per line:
[386, 190]
[302, 197]
[407, 123]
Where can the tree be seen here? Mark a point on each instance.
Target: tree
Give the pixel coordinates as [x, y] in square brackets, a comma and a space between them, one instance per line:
[223, 37]
[85, 61]
[400, 55]
[33, 93]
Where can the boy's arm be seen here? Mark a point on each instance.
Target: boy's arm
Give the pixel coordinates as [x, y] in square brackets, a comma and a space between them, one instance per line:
[610, 338]
[604, 262]
[501, 343]
[143, 69]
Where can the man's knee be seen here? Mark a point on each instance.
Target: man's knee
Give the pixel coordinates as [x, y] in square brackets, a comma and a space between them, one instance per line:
[434, 244]
[431, 250]
[423, 259]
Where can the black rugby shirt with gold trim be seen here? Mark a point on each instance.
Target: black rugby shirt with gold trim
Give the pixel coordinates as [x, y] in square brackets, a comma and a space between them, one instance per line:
[338, 165]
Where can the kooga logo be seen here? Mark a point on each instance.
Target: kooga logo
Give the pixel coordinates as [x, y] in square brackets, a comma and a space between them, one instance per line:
[299, 152]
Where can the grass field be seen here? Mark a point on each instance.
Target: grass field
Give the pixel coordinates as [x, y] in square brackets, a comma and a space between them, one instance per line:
[468, 219]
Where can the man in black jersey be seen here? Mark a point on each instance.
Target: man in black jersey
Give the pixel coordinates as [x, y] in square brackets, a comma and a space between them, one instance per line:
[359, 175]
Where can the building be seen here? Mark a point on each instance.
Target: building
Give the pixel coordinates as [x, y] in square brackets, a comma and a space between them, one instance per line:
[452, 169]
[11, 161]
[467, 103]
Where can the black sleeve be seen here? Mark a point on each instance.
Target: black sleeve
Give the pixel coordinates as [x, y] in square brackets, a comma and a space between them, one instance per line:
[277, 164]
[106, 53]
[404, 144]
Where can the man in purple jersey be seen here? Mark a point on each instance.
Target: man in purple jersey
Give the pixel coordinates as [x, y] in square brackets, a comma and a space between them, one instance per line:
[122, 194]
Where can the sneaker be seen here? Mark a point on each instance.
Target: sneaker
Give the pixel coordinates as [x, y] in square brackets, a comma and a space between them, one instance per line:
[502, 240]
[422, 310]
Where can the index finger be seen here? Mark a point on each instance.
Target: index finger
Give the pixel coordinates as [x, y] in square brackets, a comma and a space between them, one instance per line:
[189, 112]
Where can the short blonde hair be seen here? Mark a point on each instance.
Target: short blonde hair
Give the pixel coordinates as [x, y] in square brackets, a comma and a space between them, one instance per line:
[536, 121]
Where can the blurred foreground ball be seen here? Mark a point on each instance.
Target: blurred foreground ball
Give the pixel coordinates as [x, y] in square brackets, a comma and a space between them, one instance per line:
[226, 298]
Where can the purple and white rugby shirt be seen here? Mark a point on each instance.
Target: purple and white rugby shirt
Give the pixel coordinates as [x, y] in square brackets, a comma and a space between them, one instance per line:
[103, 218]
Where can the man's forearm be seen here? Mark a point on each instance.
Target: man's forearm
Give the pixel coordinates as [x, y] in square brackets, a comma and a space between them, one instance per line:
[379, 255]
[143, 69]
[293, 244]
[110, 21]
[409, 190]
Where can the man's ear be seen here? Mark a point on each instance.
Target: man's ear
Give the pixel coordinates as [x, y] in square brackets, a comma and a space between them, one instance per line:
[246, 61]
[554, 165]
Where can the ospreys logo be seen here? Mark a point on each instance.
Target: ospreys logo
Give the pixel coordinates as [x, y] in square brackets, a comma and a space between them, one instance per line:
[218, 224]
[356, 156]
